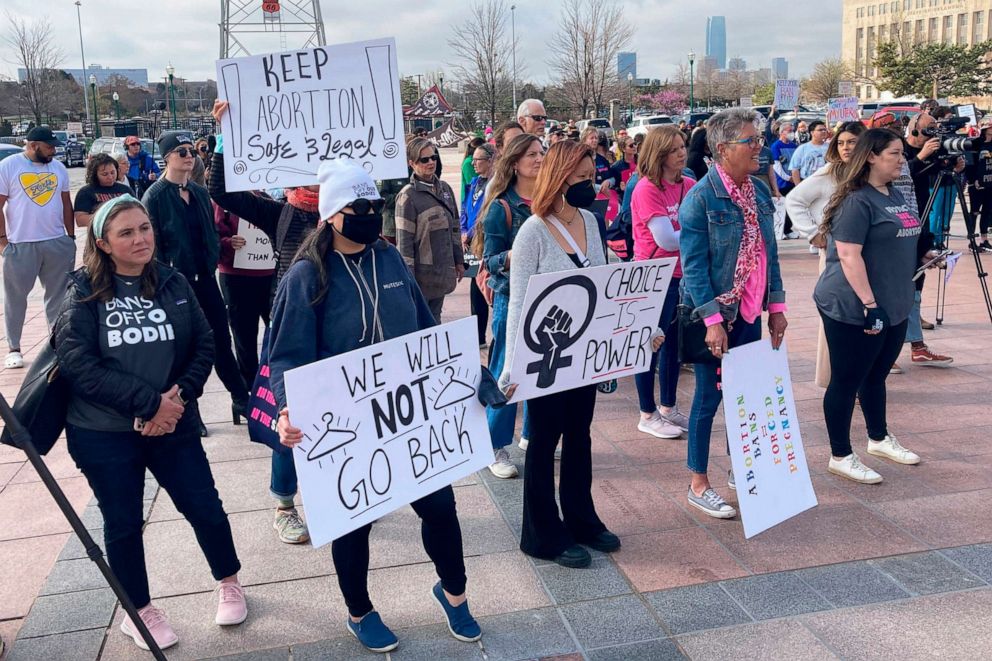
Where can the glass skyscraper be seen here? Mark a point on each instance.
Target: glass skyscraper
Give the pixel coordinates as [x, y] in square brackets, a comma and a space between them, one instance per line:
[716, 40]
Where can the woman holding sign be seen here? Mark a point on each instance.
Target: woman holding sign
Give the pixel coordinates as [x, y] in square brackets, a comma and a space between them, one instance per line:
[864, 297]
[730, 274]
[348, 289]
[561, 235]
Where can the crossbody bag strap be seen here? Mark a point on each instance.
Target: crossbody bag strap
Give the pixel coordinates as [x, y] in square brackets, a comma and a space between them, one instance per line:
[569, 240]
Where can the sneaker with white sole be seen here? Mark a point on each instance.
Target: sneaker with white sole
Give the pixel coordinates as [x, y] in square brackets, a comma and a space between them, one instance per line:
[524, 442]
[157, 624]
[657, 427]
[232, 607]
[852, 468]
[675, 418]
[890, 448]
[290, 526]
[711, 504]
[503, 468]
[14, 360]
[731, 482]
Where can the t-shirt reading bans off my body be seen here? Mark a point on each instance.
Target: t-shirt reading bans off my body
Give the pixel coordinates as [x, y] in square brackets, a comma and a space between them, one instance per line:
[34, 198]
[135, 338]
[888, 231]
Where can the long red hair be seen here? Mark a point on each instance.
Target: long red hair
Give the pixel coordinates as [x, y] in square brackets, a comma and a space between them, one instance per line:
[560, 161]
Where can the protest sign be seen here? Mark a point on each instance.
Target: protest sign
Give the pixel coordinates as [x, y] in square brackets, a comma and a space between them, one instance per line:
[290, 111]
[747, 102]
[387, 424]
[766, 446]
[786, 93]
[843, 109]
[845, 88]
[607, 314]
[968, 110]
[256, 255]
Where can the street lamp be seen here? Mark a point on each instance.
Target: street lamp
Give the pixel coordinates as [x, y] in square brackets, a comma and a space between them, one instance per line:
[170, 71]
[692, 99]
[630, 98]
[117, 105]
[96, 114]
[82, 54]
[513, 47]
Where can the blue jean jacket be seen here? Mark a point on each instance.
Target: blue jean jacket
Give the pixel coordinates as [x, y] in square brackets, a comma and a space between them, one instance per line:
[712, 227]
[499, 238]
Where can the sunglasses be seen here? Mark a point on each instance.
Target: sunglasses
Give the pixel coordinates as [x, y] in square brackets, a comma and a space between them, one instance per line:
[182, 151]
[363, 207]
[203, 149]
[539, 118]
[427, 159]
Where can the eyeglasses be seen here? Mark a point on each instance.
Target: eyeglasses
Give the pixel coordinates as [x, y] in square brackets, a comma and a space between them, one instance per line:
[479, 160]
[539, 118]
[752, 142]
[427, 159]
[363, 206]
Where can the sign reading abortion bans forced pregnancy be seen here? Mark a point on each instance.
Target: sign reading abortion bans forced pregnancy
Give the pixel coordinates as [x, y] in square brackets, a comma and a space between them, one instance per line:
[290, 111]
[766, 446]
[585, 326]
[386, 425]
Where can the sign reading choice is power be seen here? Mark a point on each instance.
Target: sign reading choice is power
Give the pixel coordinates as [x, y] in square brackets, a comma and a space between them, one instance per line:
[291, 111]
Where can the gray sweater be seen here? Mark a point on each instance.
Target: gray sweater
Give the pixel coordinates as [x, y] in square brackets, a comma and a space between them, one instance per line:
[535, 250]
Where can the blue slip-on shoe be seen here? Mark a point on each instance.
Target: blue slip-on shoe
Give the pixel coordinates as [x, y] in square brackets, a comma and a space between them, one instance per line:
[461, 624]
[372, 633]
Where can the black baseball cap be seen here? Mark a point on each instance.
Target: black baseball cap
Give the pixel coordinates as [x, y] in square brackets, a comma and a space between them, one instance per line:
[43, 134]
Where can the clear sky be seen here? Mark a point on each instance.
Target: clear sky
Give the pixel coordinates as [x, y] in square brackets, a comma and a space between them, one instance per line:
[142, 34]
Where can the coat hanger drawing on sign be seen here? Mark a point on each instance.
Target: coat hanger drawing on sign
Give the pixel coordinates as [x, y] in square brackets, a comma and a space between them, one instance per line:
[453, 392]
[332, 439]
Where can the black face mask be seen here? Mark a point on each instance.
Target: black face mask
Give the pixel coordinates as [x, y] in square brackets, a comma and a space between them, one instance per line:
[362, 228]
[581, 195]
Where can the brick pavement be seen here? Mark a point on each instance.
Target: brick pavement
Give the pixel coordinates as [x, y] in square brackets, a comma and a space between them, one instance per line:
[902, 569]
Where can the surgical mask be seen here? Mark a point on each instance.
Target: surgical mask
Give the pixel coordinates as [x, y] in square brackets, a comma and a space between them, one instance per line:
[790, 135]
[364, 228]
[581, 195]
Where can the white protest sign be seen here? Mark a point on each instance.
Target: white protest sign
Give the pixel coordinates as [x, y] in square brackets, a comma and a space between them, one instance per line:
[256, 255]
[747, 102]
[786, 93]
[290, 111]
[387, 424]
[968, 110]
[843, 109]
[587, 325]
[845, 88]
[766, 446]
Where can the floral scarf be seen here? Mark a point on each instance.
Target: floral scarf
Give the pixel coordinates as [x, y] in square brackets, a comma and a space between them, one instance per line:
[303, 199]
[747, 257]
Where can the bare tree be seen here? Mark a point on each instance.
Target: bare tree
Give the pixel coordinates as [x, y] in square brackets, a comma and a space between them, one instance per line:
[584, 52]
[482, 50]
[36, 52]
[823, 83]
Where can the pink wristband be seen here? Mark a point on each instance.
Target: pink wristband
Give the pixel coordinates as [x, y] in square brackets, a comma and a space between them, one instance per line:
[778, 307]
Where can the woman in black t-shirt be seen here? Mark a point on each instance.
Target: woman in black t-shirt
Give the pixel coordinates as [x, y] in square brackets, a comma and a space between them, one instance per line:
[102, 173]
[864, 297]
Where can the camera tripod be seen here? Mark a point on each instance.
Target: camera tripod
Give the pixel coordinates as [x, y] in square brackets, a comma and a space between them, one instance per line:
[946, 176]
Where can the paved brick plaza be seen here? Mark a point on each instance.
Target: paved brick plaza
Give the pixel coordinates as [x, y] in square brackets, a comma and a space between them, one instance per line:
[898, 570]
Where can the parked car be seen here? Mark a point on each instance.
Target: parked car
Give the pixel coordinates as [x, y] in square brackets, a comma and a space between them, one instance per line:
[71, 152]
[868, 108]
[644, 124]
[115, 147]
[8, 150]
[765, 110]
[801, 116]
[603, 125]
[692, 117]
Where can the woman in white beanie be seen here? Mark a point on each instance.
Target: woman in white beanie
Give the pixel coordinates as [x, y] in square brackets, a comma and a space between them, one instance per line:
[349, 289]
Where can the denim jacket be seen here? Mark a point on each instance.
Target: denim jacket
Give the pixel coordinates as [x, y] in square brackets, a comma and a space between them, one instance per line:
[499, 240]
[712, 227]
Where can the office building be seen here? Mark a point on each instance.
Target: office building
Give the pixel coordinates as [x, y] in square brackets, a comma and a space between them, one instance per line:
[137, 77]
[716, 40]
[864, 25]
[780, 68]
[626, 64]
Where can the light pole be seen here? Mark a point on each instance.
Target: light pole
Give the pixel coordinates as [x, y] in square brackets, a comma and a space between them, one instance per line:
[630, 98]
[117, 106]
[692, 99]
[96, 113]
[170, 71]
[82, 54]
[513, 46]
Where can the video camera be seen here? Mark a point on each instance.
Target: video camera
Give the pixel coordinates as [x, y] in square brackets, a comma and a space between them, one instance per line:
[945, 130]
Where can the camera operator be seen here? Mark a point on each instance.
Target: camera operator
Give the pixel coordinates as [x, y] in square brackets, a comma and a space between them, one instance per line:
[923, 154]
[979, 175]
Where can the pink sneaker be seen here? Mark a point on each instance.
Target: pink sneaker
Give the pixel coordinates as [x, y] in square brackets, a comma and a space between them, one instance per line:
[232, 607]
[154, 618]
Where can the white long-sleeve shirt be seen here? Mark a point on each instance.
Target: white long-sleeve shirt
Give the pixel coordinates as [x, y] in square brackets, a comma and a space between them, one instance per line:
[806, 202]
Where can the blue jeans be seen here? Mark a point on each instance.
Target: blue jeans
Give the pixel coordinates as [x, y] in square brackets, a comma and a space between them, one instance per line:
[114, 464]
[708, 396]
[665, 360]
[914, 327]
[502, 420]
[283, 483]
[940, 212]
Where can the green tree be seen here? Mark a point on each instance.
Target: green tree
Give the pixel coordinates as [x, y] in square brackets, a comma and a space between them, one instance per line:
[763, 94]
[935, 70]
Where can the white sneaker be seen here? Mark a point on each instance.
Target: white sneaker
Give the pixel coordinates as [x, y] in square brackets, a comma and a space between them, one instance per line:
[813, 250]
[524, 442]
[14, 360]
[792, 235]
[731, 482]
[657, 427]
[852, 468]
[711, 504]
[890, 448]
[503, 468]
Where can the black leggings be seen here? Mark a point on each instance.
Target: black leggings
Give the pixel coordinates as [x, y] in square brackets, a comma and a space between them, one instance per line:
[442, 537]
[480, 309]
[247, 298]
[859, 365]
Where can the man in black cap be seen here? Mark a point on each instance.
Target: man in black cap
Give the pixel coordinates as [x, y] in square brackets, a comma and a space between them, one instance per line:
[37, 233]
[186, 239]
